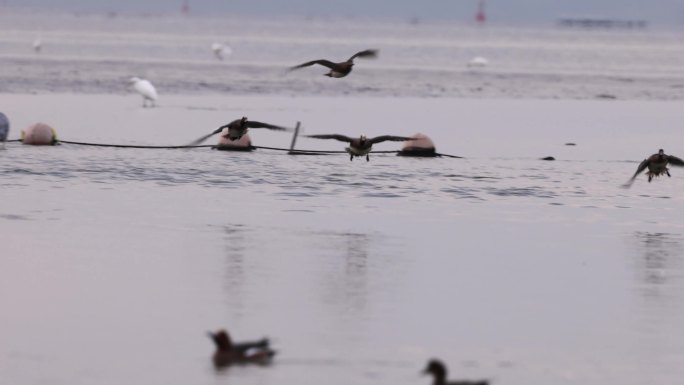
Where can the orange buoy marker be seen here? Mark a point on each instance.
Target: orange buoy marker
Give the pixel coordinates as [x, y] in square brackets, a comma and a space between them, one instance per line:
[39, 134]
[420, 145]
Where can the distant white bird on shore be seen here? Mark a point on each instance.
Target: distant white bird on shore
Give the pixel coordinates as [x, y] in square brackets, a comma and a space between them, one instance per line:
[220, 50]
[37, 45]
[146, 89]
[478, 61]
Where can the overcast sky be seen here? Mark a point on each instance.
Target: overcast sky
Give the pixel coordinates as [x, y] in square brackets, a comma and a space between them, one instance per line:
[669, 12]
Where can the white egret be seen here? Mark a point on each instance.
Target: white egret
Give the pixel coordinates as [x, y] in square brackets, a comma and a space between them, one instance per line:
[37, 45]
[478, 61]
[144, 88]
[220, 50]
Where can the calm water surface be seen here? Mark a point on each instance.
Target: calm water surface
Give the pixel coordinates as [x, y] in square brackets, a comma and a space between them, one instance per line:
[115, 262]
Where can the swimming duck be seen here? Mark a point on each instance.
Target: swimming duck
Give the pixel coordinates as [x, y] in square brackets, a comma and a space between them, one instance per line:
[439, 372]
[227, 352]
[342, 69]
[656, 164]
[360, 146]
[237, 128]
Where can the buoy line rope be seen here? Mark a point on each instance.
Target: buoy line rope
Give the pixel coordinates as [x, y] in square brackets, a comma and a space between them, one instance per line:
[293, 151]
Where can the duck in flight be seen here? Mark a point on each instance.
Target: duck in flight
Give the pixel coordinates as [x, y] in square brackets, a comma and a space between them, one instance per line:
[656, 164]
[342, 69]
[361, 146]
[237, 128]
[439, 373]
[228, 352]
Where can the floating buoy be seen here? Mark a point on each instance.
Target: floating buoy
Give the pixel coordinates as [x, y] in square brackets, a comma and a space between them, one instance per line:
[244, 143]
[39, 134]
[4, 128]
[548, 158]
[420, 145]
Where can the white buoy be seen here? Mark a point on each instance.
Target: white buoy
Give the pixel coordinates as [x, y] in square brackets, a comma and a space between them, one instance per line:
[420, 145]
[479, 62]
[146, 89]
[39, 134]
[244, 143]
[37, 45]
[4, 129]
[220, 50]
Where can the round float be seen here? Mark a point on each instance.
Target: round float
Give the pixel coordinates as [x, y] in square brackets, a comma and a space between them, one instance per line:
[420, 146]
[4, 127]
[39, 134]
[242, 144]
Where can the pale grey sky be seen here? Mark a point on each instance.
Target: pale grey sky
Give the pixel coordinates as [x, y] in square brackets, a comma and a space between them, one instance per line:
[668, 12]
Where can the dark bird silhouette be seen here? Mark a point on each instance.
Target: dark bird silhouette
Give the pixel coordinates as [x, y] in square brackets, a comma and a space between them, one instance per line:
[439, 373]
[227, 352]
[342, 69]
[360, 146]
[656, 164]
[237, 128]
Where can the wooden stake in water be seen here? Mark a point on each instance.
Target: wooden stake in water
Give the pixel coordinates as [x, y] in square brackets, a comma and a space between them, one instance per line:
[294, 136]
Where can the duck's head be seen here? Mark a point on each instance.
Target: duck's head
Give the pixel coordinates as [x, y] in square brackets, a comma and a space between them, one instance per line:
[362, 138]
[436, 368]
[661, 152]
[133, 80]
[221, 339]
[243, 121]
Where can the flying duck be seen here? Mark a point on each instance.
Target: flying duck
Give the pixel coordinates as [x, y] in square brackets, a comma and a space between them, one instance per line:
[360, 146]
[342, 69]
[439, 372]
[656, 164]
[227, 352]
[237, 128]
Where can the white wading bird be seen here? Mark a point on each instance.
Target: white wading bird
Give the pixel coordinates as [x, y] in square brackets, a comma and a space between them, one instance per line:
[221, 50]
[146, 89]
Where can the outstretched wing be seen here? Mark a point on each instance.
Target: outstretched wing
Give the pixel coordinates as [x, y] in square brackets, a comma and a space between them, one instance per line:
[341, 138]
[384, 138]
[205, 137]
[370, 53]
[642, 167]
[255, 124]
[323, 62]
[673, 160]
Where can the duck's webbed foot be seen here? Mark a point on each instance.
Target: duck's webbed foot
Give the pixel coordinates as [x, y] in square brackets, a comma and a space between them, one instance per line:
[667, 171]
[351, 157]
[367, 158]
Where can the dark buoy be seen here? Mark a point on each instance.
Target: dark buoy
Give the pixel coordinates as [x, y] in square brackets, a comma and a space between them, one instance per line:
[548, 158]
[570, 144]
[39, 134]
[419, 146]
[4, 129]
[244, 143]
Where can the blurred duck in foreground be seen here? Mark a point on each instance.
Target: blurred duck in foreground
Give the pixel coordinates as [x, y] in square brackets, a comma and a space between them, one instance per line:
[439, 373]
[361, 146]
[342, 69]
[656, 164]
[237, 128]
[228, 352]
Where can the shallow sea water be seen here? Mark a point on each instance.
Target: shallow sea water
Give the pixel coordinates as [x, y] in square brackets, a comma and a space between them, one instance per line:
[115, 262]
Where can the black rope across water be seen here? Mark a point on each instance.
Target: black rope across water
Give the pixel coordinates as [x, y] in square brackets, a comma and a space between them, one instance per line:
[131, 145]
[290, 151]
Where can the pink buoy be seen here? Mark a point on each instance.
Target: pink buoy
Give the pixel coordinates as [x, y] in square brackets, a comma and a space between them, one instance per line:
[242, 144]
[420, 145]
[39, 134]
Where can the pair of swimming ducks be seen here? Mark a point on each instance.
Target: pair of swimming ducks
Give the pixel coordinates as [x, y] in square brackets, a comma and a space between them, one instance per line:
[259, 352]
[360, 146]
